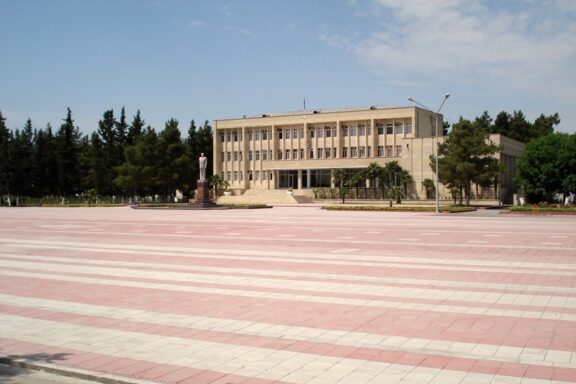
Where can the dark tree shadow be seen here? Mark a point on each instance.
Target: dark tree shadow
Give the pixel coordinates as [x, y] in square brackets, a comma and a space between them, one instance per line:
[20, 365]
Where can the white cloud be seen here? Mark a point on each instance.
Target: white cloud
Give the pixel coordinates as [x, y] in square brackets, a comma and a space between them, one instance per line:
[525, 44]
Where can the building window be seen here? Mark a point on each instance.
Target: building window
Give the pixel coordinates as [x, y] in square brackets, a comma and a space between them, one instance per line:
[235, 135]
[257, 155]
[240, 155]
[279, 155]
[294, 154]
[295, 133]
[408, 128]
[270, 155]
[235, 175]
[228, 136]
[229, 176]
[398, 150]
[249, 135]
[319, 152]
[312, 132]
[256, 135]
[249, 155]
[344, 151]
[362, 151]
[353, 131]
[279, 131]
[235, 156]
[264, 155]
[327, 131]
[320, 132]
[327, 153]
[398, 128]
[369, 130]
[380, 151]
[301, 153]
[353, 152]
[311, 153]
[264, 135]
[287, 154]
[222, 156]
[241, 175]
[287, 134]
[389, 151]
[222, 137]
[389, 128]
[344, 131]
[228, 156]
[249, 175]
[380, 128]
[257, 175]
[369, 151]
[362, 130]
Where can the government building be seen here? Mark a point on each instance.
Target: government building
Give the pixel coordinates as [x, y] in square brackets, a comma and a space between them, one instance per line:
[299, 151]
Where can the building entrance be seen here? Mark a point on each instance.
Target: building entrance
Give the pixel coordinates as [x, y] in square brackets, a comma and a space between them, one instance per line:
[288, 179]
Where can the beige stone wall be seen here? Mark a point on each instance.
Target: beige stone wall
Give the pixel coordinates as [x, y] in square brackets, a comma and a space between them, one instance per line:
[253, 146]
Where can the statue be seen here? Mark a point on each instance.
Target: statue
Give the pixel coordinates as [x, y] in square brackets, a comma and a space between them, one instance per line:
[203, 162]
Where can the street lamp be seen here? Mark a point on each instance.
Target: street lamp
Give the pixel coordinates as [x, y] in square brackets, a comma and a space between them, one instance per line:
[446, 96]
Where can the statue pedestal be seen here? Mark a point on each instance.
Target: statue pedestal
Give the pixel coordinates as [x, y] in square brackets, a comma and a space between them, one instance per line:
[203, 196]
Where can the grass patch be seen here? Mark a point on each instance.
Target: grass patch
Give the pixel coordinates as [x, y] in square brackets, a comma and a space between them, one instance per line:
[449, 209]
[245, 206]
[537, 208]
[160, 205]
[84, 205]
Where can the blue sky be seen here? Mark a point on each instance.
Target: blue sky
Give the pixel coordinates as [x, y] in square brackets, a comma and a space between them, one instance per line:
[222, 59]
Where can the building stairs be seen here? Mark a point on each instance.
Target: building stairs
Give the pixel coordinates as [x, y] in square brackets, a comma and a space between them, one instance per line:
[264, 196]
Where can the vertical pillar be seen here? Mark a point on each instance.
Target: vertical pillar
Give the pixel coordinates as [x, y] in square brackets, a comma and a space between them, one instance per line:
[299, 179]
[308, 178]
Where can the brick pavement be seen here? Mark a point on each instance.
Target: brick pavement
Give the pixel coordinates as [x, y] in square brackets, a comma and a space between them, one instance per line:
[289, 295]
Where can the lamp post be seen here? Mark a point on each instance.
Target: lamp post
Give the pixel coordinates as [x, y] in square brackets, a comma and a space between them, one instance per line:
[436, 178]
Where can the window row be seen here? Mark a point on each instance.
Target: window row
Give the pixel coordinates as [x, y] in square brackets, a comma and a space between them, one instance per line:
[298, 133]
[314, 153]
[252, 175]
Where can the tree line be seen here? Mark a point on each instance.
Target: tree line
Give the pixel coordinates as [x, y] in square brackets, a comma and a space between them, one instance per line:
[118, 159]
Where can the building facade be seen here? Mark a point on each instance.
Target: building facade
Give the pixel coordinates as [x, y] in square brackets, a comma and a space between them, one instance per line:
[301, 150]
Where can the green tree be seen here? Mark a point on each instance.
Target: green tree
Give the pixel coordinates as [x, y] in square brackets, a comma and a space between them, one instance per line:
[372, 173]
[45, 162]
[138, 175]
[67, 151]
[108, 153]
[98, 172]
[21, 162]
[548, 166]
[465, 155]
[341, 180]
[544, 125]
[121, 137]
[5, 139]
[136, 128]
[174, 164]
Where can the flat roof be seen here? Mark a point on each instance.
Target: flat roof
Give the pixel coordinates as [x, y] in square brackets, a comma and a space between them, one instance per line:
[319, 111]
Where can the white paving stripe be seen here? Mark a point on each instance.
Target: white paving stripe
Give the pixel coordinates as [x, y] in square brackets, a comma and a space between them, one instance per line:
[278, 283]
[383, 260]
[460, 309]
[248, 361]
[322, 240]
[528, 289]
[396, 343]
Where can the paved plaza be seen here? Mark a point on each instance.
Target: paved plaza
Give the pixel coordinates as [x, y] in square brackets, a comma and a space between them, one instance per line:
[289, 295]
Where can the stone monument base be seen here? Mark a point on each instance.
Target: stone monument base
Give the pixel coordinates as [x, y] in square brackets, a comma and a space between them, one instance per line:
[203, 196]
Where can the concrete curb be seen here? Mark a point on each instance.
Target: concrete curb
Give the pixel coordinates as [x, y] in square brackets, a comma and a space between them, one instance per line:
[74, 373]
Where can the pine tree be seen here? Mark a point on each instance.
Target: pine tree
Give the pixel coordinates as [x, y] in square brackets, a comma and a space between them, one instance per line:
[109, 154]
[5, 138]
[45, 163]
[21, 162]
[175, 165]
[464, 156]
[136, 128]
[121, 137]
[67, 139]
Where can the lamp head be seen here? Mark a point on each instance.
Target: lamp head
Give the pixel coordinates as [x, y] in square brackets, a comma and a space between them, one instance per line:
[446, 96]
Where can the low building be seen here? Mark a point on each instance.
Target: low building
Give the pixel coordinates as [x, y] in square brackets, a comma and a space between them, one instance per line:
[301, 150]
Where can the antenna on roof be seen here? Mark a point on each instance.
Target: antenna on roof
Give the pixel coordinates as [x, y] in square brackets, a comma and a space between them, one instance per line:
[304, 104]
